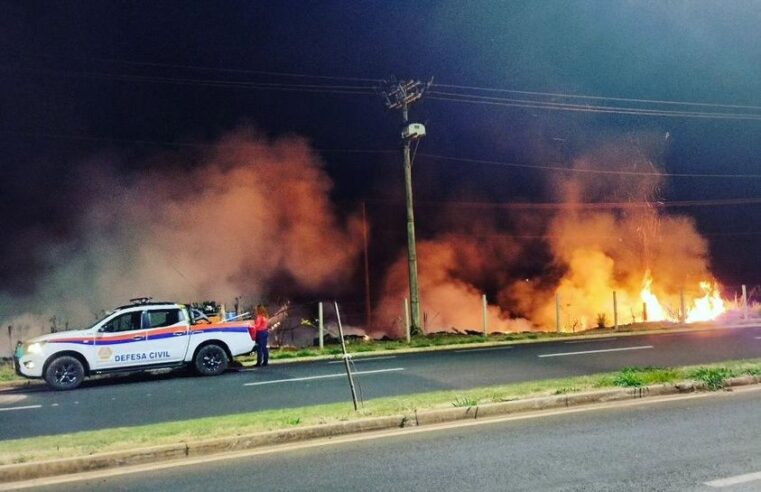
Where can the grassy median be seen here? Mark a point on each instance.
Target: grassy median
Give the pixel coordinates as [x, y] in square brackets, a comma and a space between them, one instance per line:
[90, 442]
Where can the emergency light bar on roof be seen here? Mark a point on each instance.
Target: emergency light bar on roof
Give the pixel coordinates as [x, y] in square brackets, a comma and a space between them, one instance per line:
[141, 300]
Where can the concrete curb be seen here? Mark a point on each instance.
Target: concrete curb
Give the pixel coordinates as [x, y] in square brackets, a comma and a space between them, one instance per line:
[34, 470]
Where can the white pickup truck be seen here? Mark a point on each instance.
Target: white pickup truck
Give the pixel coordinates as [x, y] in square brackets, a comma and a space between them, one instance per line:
[136, 337]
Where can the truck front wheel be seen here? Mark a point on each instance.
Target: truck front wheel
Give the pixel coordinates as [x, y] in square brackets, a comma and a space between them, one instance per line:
[211, 360]
[64, 373]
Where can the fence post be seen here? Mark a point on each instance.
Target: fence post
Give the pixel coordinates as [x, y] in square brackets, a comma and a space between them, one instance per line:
[407, 319]
[557, 313]
[321, 325]
[644, 312]
[484, 316]
[10, 339]
[615, 311]
[745, 303]
[683, 312]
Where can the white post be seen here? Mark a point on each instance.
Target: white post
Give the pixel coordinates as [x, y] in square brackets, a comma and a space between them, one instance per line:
[407, 319]
[615, 311]
[745, 303]
[321, 326]
[484, 315]
[557, 313]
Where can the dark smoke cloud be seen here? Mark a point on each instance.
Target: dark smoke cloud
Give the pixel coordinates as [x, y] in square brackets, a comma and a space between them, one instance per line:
[214, 225]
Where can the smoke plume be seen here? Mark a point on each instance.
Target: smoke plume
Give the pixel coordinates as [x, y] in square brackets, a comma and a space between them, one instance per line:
[246, 217]
[588, 251]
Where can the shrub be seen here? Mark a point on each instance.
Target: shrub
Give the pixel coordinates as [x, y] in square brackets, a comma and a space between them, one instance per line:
[464, 401]
[629, 377]
[714, 378]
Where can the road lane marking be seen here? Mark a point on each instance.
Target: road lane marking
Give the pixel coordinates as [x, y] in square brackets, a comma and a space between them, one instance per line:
[620, 349]
[323, 376]
[365, 436]
[28, 407]
[757, 338]
[364, 359]
[737, 479]
[592, 341]
[482, 349]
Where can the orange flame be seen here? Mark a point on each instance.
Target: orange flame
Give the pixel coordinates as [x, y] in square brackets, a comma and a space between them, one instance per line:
[655, 311]
[705, 308]
[708, 307]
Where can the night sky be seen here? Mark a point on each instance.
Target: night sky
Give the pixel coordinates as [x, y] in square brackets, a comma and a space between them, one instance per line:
[80, 81]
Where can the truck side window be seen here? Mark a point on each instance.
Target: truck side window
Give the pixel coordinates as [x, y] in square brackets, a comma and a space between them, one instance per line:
[163, 317]
[125, 322]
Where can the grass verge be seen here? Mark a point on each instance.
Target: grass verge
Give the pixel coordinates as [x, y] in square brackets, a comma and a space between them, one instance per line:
[7, 373]
[90, 442]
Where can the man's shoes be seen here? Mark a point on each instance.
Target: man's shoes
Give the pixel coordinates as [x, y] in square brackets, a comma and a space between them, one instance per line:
[257, 365]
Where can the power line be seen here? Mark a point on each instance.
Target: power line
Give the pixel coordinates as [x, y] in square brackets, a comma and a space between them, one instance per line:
[604, 98]
[467, 99]
[207, 68]
[279, 86]
[499, 235]
[164, 143]
[369, 90]
[534, 167]
[581, 205]
[236, 70]
[375, 81]
[539, 167]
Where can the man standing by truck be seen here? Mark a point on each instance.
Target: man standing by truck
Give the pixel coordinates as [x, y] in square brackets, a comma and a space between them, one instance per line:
[261, 328]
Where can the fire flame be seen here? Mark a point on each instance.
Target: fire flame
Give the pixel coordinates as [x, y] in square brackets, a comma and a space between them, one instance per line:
[705, 308]
[653, 309]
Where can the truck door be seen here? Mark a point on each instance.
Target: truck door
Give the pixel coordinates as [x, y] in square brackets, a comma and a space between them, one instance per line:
[121, 342]
[168, 334]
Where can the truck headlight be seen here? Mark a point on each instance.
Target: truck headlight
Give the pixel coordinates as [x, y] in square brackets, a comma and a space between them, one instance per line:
[35, 348]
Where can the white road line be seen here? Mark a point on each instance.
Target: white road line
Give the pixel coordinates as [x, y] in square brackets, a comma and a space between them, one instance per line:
[592, 341]
[482, 349]
[28, 407]
[324, 376]
[364, 359]
[737, 479]
[621, 349]
[757, 338]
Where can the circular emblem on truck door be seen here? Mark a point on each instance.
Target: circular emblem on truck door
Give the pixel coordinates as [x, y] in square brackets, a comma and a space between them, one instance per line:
[104, 353]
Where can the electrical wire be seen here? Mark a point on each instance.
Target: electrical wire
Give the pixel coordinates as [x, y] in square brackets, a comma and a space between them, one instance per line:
[581, 205]
[597, 108]
[137, 63]
[235, 84]
[601, 98]
[539, 167]
[235, 70]
[497, 235]
[165, 143]
[536, 167]
[484, 100]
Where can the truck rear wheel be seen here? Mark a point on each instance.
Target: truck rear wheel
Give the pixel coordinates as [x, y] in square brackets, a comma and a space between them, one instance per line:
[211, 360]
[64, 373]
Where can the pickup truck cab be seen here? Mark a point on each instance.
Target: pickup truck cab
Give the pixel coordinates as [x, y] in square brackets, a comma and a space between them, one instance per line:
[136, 337]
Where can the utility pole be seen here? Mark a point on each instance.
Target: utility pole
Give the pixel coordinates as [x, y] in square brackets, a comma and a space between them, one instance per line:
[400, 95]
[368, 307]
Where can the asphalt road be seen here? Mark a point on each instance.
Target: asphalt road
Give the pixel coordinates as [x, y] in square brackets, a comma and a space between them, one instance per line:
[126, 401]
[702, 443]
